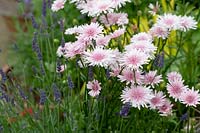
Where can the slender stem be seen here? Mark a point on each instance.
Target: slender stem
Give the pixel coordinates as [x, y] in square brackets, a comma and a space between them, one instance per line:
[188, 124]
[175, 57]
[176, 126]
[138, 23]
[121, 125]
[164, 43]
[196, 110]
[134, 77]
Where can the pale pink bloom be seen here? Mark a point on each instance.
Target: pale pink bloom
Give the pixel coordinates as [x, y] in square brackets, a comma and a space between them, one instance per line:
[190, 97]
[168, 21]
[94, 87]
[119, 3]
[95, 7]
[99, 57]
[114, 18]
[82, 41]
[73, 49]
[76, 1]
[134, 59]
[117, 57]
[91, 31]
[61, 68]
[74, 30]
[57, 5]
[127, 76]
[102, 40]
[159, 31]
[117, 33]
[115, 69]
[173, 76]
[142, 36]
[144, 46]
[166, 108]
[176, 88]
[130, 76]
[187, 23]
[157, 100]
[138, 96]
[154, 8]
[152, 79]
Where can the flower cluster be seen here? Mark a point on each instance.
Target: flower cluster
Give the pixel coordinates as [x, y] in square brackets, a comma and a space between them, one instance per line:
[179, 91]
[169, 22]
[97, 7]
[57, 5]
[92, 46]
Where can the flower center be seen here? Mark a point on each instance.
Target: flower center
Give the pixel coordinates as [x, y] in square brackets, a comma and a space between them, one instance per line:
[137, 95]
[129, 76]
[190, 99]
[176, 89]
[95, 87]
[169, 21]
[90, 32]
[98, 57]
[133, 60]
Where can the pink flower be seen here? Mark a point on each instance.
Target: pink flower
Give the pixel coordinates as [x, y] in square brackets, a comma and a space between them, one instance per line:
[168, 21]
[94, 87]
[157, 100]
[190, 97]
[117, 33]
[114, 18]
[144, 46]
[152, 79]
[74, 30]
[115, 69]
[187, 22]
[127, 75]
[57, 5]
[119, 3]
[166, 108]
[73, 49]
[134, 59]
[159, 31]
[102, 40]
[142, 36]
[130, 76]
[173, 76]
[95, 7]
[154, 9]
[176, 88]
[138, 96]
[91, 31]
[99, 57]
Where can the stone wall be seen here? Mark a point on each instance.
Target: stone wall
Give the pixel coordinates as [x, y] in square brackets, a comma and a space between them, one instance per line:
[8, 9]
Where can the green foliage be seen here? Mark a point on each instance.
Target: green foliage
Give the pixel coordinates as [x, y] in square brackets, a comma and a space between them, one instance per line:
[77, 112]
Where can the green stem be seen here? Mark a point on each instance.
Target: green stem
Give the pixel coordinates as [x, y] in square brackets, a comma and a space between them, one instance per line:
[121, 125]
[188, 124]
[176, 126]
[175, 57]
[138, 23]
